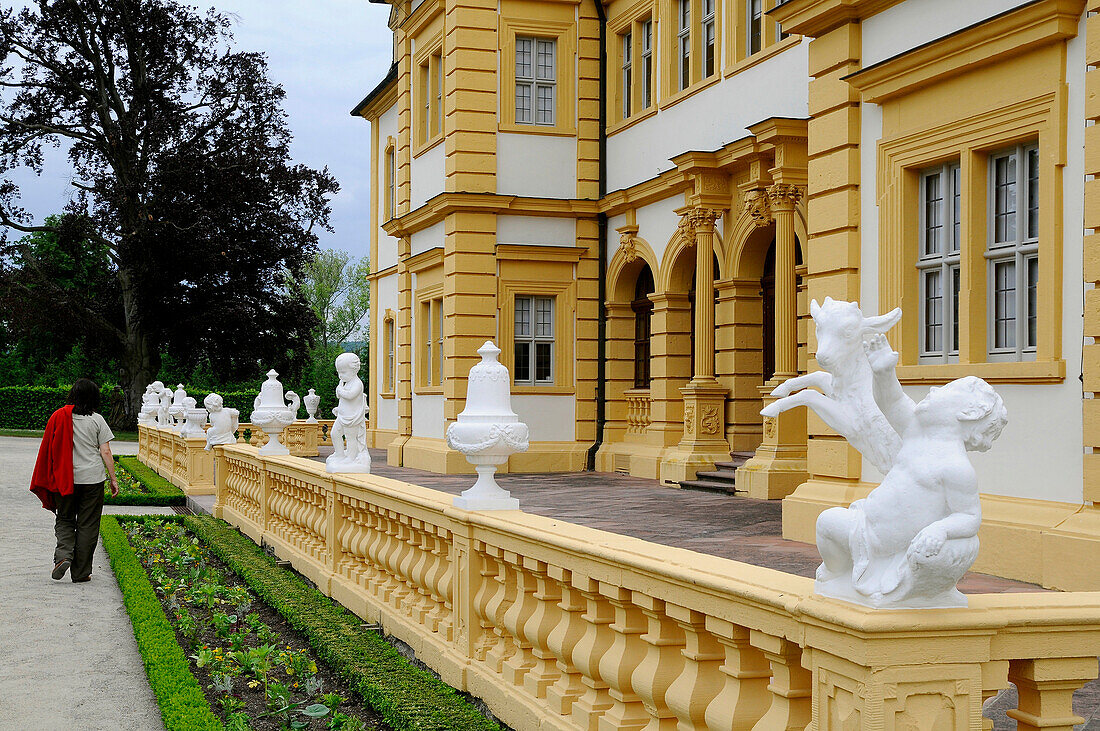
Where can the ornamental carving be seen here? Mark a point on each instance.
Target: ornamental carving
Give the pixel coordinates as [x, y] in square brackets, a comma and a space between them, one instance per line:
[628, 245]
[689, 419]
[703, 218]
[784, 194]
[756, 206]
[710, 423]
[714, 184]
[684, 230]
[769, 427]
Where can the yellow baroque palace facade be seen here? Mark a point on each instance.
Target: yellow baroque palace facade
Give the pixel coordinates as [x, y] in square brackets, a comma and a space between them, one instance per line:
[638, 199]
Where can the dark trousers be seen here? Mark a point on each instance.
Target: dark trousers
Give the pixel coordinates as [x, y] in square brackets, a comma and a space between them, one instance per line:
[77, 527]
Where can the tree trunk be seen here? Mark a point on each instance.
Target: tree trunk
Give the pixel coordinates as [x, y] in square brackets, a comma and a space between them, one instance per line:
[140, 359]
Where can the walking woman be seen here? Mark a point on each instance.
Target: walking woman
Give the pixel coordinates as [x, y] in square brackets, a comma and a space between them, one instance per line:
[73, 462]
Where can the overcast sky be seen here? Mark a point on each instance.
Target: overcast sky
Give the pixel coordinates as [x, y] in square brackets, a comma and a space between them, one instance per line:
[327, 54]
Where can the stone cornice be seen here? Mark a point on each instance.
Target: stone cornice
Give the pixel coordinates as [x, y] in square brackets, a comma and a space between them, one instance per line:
[436, 209]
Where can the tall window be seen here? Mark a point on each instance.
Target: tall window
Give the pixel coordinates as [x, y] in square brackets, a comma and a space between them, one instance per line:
[683, 40]
[391, 358]
[534, 341]
[647, 64]
[430, 120]
[755, 25]
[643, 315]
[391, 183]
[536, 61]
[627, 76]
[430, 328]
[1013, 252]
[437, 93]
[707, 27]
[940, 206]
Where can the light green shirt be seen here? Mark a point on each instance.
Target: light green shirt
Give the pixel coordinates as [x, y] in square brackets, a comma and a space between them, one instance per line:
[89, 432]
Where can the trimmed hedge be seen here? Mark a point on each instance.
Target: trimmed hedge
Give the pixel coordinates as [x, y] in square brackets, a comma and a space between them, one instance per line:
[182, 703]
[409, 698]
[163, 491]
[29, 407]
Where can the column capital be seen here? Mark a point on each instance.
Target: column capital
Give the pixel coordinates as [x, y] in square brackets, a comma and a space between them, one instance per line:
[702, 218]
[784, 195]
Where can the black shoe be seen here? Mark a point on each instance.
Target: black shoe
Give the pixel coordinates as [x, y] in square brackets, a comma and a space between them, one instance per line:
[60, 568]
[86, 578]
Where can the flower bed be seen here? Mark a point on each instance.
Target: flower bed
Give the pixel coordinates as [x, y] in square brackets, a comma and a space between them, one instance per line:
[256, 670]
[139, 485]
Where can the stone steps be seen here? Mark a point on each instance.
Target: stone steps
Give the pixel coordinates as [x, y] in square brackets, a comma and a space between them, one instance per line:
[722, 479]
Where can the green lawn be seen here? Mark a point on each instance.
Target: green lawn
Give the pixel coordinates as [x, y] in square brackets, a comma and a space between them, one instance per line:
[121, 436]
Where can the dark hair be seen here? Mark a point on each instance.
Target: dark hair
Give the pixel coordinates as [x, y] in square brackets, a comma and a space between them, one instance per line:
[84, 396]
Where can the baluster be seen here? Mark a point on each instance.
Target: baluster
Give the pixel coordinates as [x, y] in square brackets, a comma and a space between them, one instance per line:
[487, 589]
[398, 592]
[691, 693]
[516, 618]
[790, 686]
[408, 596]
[346, 535]
[616, 667]
[387, 582]
[422, 601]
[565, 636]
[445, 586]
[538, 628]
[662, 664]
[505, 646]
[744, 697]
[366, 569]
[588, 654]
[1046, 689]
[376, 541]
[434, 579]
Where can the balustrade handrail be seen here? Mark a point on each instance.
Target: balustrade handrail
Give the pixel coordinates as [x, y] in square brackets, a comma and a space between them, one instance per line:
[489, 598]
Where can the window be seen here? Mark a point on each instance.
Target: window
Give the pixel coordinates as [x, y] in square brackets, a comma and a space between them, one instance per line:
[683, 39]
[430, 335]
[647, 64]
[390, 366]
[429, 121]
[534, 341]
[643, 315]
[391, 182]
[707, 27]
[1013, 252]
[627, 76]
[755, 25]
[939, 262]
[536, 64]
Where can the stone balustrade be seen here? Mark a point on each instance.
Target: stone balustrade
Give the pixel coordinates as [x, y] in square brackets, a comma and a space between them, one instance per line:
[559, 626]
[185, 463]
[637, 410]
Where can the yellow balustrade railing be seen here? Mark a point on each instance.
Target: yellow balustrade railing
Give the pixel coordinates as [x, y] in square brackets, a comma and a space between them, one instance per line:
[637, 410]
[560, 626]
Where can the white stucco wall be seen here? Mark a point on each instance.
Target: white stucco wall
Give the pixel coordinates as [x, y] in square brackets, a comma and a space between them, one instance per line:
[387, 245]
[384, 296]
[656, 224]
[540, 166]
[711, 118]
[910, 24]
[426, 176]
[536, 230]
[1039, 454]
[550, 418]
[427, 238]
[427, 416]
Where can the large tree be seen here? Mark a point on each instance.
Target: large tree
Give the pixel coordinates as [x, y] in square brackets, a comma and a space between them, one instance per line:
[335, 286]
[181, 172]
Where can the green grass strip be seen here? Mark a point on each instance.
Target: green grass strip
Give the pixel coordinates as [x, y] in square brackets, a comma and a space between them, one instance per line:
[182, 703]
[162, 491]
[409, 698]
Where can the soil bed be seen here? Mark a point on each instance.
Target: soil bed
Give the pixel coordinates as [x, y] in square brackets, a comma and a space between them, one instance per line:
[256, 670]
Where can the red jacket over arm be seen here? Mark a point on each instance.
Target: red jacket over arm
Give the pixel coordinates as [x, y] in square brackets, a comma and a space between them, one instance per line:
[53, 472]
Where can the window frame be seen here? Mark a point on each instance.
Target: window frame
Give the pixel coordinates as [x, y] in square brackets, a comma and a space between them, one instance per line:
[533, 338]
[683, 44]
[429, 338]
[563, 36]
[428, 94]
[390, 180]
[389, 354]
[946, 261]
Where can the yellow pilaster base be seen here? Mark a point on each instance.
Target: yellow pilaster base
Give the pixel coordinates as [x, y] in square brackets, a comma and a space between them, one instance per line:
[779, 465]
[703, 442]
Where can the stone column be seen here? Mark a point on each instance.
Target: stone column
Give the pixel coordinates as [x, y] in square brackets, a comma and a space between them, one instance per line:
[702, 222]
[779, 465]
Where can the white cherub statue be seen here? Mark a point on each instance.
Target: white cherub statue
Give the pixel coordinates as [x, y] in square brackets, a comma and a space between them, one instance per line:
[223, 422]
[913, 537]
[349, 431]
[163, 419]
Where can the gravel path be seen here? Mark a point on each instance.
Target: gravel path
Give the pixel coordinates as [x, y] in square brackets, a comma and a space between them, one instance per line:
[68, 659]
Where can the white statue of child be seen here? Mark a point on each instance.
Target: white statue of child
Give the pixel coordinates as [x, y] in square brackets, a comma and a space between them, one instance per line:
[349, 431]
[163, 419]
[912, 538]
[223, 422]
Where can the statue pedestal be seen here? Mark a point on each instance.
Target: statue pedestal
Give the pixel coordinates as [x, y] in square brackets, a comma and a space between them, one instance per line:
[704, 440]
[779, 465]
[486, 494]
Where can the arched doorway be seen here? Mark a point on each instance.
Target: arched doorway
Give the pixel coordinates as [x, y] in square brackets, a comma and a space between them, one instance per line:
[767, 306]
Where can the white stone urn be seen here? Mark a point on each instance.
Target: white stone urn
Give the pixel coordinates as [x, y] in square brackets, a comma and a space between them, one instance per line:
[195, 420]
[272, 414]
[311, 401]
[150, 403]
[488, 432]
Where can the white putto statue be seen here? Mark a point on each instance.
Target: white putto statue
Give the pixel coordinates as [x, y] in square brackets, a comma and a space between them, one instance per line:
[488, 432]
[311, 401]
[349, 431]
[907, 544]
[272, 414]
[223, 422]
[150, 403]
[164, 421]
